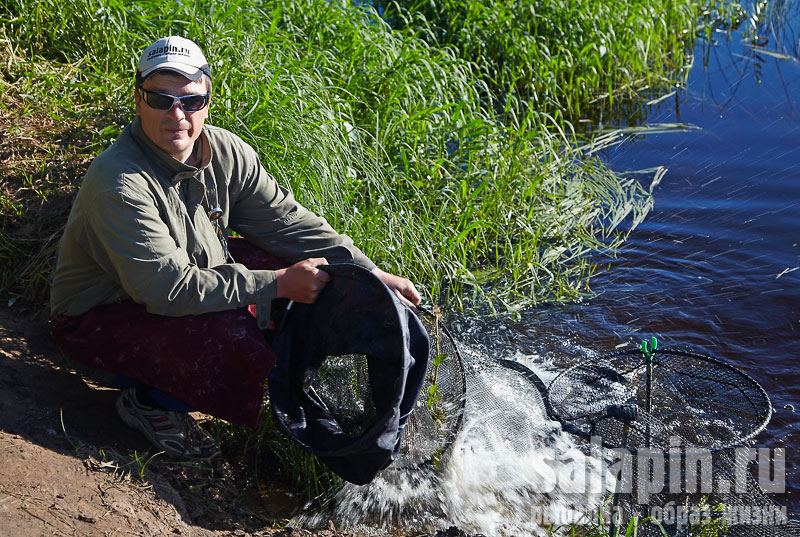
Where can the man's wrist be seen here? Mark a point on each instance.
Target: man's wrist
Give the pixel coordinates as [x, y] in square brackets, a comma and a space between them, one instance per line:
[279, 287]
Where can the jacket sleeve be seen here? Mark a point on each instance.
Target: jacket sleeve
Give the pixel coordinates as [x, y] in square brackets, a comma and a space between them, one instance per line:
[126, 236]
[268, 215]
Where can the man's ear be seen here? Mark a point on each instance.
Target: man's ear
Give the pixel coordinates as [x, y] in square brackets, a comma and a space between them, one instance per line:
[137, 99]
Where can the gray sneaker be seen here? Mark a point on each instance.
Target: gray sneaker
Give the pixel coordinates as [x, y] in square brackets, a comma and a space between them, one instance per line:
[175, 433]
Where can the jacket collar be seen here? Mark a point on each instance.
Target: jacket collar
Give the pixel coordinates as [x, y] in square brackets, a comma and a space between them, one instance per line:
[177, 168]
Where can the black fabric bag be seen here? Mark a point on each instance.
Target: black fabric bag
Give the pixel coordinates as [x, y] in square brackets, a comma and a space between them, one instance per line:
[349, 371]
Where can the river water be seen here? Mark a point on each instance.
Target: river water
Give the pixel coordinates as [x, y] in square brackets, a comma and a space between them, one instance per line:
[716, 265]
[715, 268]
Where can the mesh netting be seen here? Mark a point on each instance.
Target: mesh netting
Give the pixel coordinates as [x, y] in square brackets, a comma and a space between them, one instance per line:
[693, 401]
[475, 462]
[343, 385]
[735, 505]
[691, 413]
[435, 421]
[508, 391]
[699, 400]
[506, 409]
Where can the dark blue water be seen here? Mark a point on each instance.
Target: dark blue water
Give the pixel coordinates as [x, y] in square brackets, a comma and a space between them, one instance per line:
[716, 265]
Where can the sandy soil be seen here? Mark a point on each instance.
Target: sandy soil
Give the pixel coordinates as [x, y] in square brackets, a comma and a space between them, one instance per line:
[66, 464]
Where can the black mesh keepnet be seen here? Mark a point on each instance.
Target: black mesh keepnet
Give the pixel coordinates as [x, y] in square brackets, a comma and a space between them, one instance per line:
[675, 402]
[343, 384]
[436, 419]
[698, 399]
[352, 362]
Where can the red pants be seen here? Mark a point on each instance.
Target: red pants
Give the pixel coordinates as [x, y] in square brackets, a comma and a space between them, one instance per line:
[216, 362]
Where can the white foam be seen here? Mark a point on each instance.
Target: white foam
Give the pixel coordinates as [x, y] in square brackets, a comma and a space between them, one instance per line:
[510, 471]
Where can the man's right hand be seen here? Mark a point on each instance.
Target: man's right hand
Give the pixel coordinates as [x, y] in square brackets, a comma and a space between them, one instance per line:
[303, 281]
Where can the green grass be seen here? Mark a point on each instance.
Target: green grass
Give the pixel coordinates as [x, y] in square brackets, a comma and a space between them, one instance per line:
[460, 174]
[441, 138]
[577, 60]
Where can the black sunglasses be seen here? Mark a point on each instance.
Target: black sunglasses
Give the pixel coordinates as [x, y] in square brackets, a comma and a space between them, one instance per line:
[165, 101]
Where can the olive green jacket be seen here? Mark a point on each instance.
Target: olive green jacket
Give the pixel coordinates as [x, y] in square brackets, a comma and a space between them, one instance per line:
[139, 229]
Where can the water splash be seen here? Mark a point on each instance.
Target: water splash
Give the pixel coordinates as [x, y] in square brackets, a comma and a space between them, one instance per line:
[510, 471]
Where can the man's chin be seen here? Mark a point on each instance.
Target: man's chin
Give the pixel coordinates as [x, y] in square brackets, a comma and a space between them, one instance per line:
[177, 147]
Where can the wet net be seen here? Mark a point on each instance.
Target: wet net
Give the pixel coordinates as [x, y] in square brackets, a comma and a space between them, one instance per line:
[436, 419]
[477, 422]
[732, 502]
[680, 424]
[693, 410]
[343, 384]
[631, 401]
[506, 407]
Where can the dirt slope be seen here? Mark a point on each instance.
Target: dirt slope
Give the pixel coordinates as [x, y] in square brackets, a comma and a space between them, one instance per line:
[67, 462]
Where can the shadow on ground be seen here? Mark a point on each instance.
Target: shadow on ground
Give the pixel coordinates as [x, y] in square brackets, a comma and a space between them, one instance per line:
[68, 464]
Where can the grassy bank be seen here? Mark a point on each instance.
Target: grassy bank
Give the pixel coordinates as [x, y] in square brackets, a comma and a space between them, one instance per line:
[575, 61]
[440, 137]
[440, 144]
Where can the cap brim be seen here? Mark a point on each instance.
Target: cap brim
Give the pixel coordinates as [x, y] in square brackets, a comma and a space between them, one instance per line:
[178, 68]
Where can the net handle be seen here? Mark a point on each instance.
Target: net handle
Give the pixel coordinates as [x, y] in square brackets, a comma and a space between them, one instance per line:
[648, 356]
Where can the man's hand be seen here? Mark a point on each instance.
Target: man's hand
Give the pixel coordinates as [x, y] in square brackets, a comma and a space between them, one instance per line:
[303, 281]
[402, 287]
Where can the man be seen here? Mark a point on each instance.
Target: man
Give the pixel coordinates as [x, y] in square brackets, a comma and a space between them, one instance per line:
[146, 293]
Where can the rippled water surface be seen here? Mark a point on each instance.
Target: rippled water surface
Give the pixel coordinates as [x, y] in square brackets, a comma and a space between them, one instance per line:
[714, 268]
[716, 265]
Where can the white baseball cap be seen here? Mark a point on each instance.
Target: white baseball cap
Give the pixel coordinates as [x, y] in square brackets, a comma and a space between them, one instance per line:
[174, 53]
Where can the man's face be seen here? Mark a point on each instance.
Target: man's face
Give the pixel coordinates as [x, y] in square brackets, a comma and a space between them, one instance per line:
[174, 130]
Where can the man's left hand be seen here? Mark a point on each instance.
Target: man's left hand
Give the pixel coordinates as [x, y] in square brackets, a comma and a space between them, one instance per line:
[402, 287]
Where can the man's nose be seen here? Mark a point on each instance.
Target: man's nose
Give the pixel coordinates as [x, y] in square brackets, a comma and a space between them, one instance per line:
[176, 111]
